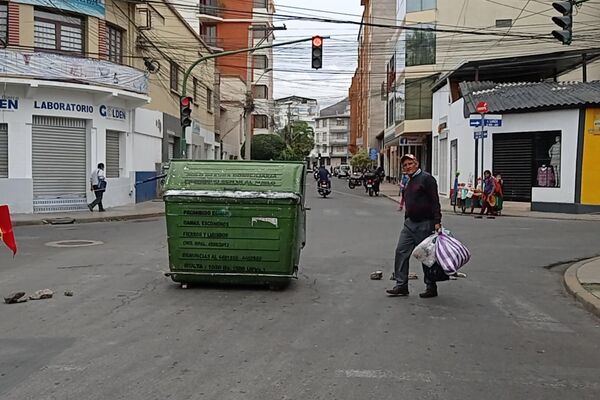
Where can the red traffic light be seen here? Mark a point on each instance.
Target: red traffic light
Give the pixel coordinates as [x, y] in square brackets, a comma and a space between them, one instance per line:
[186, 101]
[317, 41]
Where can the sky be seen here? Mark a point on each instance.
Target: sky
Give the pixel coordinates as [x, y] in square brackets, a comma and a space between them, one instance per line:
[293, 74]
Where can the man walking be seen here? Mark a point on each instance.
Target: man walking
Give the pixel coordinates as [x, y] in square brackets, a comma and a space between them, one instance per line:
[98, 186]
[422, 217]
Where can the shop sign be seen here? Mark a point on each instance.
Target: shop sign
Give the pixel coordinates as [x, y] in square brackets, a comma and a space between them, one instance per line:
[94, 8]
[109, 112]
[62, 106]
[9, 103]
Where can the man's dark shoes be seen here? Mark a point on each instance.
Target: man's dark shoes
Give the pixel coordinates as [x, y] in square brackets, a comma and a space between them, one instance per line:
[397, 291]
[428, 294]
[90, 207]
[103, 210]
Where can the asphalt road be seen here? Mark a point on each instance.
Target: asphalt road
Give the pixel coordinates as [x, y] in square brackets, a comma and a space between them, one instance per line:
[509, 331]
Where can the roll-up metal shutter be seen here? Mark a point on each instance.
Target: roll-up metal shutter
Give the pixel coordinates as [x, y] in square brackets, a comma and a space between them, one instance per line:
[513, 159]
[443, 184]
[112, 154]
[59, 164]
[3, 151]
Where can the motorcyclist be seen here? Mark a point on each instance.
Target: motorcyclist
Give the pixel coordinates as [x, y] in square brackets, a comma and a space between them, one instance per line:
[324, 176]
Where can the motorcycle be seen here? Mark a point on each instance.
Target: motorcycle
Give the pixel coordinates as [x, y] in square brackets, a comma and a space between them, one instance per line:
[372, 186]
[323, 189]
[355, 181]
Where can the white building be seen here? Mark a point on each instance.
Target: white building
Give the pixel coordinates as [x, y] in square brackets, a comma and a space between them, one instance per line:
[295, 108]
[332, 134]
[547, 146]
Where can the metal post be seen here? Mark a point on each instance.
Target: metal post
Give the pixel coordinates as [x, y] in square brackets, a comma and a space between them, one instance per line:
[188, 72]
[475, 171]
[482, 143]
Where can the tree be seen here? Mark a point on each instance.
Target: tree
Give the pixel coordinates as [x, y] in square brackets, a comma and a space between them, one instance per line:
[266, 147]
[299, 140]
[361, 160]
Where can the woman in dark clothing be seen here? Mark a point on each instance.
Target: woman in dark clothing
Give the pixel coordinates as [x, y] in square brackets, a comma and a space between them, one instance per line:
[488, 187]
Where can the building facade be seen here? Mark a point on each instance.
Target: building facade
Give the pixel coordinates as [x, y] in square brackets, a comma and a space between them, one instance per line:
[417, 56]
[83, 86]
[332, 134]
[232, 25]
[295, 108]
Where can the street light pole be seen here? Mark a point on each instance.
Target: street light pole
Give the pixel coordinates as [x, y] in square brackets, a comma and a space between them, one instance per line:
[188, 72]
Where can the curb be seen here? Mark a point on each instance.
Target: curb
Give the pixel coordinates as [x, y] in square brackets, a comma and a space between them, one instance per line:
[94, 219]
[573, 286]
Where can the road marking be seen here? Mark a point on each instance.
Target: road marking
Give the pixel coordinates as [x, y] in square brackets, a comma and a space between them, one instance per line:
[363, 213]
[528, 316]
[383, 374]
[65, 368]
[331, 212]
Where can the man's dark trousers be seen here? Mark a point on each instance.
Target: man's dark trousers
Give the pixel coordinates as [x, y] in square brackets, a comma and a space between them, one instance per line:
[413, 233]
[98, 202]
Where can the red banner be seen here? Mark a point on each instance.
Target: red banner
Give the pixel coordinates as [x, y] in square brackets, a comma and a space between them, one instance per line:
[6, 232]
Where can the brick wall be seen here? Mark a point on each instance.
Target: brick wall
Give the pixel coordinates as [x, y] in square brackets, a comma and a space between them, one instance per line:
[13, 24]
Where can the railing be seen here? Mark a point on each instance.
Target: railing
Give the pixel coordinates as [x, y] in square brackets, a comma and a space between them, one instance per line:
[210, 8]
[336, 128]
[60, 67]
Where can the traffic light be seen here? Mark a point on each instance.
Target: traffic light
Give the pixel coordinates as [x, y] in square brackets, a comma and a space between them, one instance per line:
[185, 111]
[565, 34]
[317, 52]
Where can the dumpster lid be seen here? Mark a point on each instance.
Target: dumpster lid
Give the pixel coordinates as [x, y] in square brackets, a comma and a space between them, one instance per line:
[239, 179]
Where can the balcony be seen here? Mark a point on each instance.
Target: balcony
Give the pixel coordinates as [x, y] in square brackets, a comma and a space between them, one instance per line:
[338, 128]
[339, 153]
[58, 67]
[338, 140]
[210, 11]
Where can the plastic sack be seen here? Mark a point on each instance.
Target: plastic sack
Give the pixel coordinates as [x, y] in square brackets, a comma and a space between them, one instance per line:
[425, 251]
[450, 253]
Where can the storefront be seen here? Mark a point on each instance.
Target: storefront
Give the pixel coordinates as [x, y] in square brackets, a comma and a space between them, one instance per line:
[547, 156]
[51, 137]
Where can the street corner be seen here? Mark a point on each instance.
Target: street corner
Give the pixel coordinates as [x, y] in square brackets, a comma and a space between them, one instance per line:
[582, 281]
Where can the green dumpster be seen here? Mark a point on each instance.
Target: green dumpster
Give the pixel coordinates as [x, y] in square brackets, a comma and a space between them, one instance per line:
[235, 222]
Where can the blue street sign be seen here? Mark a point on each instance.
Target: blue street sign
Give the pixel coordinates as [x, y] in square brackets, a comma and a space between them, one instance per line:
[493, 122]
[480, 135]
[475, 123]
[373, 154]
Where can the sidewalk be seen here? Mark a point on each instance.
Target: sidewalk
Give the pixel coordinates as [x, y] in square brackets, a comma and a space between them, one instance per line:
[147, 209]
[510, 209]
[582, 280]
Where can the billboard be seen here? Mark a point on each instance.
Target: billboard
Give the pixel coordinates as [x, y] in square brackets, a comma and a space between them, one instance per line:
[94, 8]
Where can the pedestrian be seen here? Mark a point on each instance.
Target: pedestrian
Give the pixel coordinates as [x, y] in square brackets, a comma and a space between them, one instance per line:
[499, 194]
[422, 217]
[488, 188]
[98, 186]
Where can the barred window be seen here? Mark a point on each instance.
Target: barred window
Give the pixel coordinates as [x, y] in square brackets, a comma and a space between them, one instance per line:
[115, 44]
[58, 32]
[4, 22]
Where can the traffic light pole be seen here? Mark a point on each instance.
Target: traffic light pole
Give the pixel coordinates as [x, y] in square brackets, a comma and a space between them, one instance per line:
[188, 72]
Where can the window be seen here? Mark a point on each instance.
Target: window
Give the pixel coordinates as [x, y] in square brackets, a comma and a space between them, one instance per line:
[115, 44]
[58, 32]
[260, 91]
[324, 123]
[547, 159]
[260, 32]
[260, 62]
[195, 90]
[4, 22]
[420, 5]
[209, 34]
[209, 100]
[420, 46]
[261, 121]
[340, 122]
[174, 77]
[260, 3]
[436, 156]
[503, 23]
[419, 98]
[112, 155]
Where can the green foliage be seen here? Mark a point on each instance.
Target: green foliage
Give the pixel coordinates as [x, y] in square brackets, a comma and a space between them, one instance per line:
[266, 147]
[299, 141]
[361, 160]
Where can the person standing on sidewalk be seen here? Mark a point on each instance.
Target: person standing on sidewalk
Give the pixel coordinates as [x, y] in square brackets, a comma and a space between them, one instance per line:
[98, 186]
[422, 217]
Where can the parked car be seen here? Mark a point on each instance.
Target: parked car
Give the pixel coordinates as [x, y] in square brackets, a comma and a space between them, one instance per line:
[344, 171]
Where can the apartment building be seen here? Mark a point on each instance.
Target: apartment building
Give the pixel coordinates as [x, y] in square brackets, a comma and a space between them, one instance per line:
[246, 79]
[418, 57]
[295, 108]
[82, 84]
[332, 134]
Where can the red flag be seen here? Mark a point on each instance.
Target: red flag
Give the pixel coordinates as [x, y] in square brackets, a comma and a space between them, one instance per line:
[6, 232]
